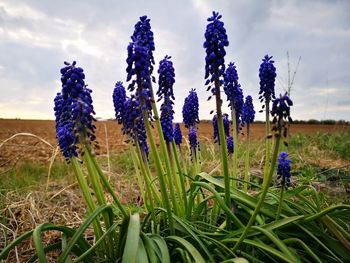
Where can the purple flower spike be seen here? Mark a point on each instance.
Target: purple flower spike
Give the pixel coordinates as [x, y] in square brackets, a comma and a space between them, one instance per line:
[190, 110]
[214, 44]
[166, 120]
[74, 111]
[230, 145]
[177, 134]
[267, 75]
[119, 98]
[248, 113]
[233, 90]
[216, 128]
[283, 169]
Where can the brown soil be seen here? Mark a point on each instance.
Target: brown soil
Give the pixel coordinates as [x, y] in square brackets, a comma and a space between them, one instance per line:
[29, 148]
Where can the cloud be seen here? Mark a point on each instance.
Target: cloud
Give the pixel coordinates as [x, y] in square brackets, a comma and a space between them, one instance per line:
[37, 36]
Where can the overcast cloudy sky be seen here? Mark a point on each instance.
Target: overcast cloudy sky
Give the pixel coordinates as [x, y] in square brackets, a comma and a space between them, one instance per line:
[36, 36]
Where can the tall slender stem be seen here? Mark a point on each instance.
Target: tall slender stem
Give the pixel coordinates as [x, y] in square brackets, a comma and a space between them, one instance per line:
[96, 185]
[222, 140]
[267, 140]
[162, 184]
[246, 174]
[181, 175]
[147, 174]
[109, 188]
[235, 145]
[87, 195]
[266, 185]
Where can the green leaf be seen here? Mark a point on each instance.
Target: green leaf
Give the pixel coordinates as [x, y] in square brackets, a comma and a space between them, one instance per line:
[150, 247]
[162, 251]
[62, 258]
[188, 246]
[132, 240]
[141, 256]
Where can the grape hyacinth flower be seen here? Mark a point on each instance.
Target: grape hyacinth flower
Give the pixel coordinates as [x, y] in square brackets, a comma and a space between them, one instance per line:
[190, 109]
[139, 65]
[192, 137]
[177, 134]
[267, 75]
[283, 169]
[119, 98]
[64, 128]
[144, 36]
[166, 81]
[281, 107]
[230, 145]
[248, 113]
[166, 120]
[74, 111]
[216, 129]
[133, 124]
[233, 91]
[215, 43]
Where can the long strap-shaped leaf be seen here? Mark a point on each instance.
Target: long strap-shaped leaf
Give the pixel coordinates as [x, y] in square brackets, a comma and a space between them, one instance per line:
[82, 229]
[188, 246]
[68, 231]
[132, 240]
[267, 248]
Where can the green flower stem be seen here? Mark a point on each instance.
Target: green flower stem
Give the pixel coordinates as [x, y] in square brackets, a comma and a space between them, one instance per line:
[181, 175]
[108, 187]
[176, 179]
[184, 166]
[160, 173]
[235, 145]
[267, 140]
[266, 185]
[87, 195]
[164, 152]
[140, 181]
[150, 187]
[280, 203]
[96, 185]
[223, 151]
[246, 173]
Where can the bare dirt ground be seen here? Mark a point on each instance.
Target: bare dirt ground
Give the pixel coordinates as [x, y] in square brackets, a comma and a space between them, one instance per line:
[32, 149]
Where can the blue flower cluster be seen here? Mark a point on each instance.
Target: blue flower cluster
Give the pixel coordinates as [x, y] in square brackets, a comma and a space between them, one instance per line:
[233, 90]
[267, 75]
[139, 65]
[119, 98]
[283, 169]
[166, 81]
[74, 111]
[140, 60]
[190, 109]
[192, 137]
[248, 113]
[281, 107]
[133, 124]
[144, 36]
[177, 134]
[166, 120]
[230, 145]
[215, 43]
[64, 127]
[226, 122]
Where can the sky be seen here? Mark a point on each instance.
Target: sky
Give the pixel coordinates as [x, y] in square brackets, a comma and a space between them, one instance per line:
[37, 36]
